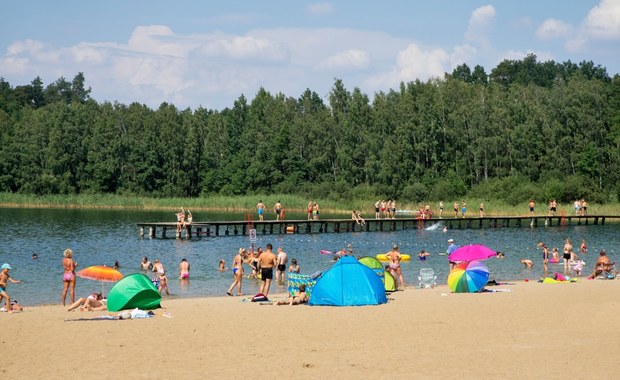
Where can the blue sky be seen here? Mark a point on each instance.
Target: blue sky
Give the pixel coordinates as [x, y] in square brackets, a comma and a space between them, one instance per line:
[208, 53]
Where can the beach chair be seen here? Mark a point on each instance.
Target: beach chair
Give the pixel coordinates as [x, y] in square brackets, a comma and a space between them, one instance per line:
[294, 280]
[427, 278]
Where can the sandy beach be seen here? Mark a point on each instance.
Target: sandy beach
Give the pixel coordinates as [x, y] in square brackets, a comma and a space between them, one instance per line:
[533, 331]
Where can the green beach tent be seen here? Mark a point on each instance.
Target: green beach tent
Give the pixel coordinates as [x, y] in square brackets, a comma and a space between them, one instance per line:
[134, 291]
[386, 277]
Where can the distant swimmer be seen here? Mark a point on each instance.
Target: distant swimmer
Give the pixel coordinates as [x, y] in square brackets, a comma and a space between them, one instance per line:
[527, 263]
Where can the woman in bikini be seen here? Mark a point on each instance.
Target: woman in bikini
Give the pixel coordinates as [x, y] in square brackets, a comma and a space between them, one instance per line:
[237, 270]
[68, 276]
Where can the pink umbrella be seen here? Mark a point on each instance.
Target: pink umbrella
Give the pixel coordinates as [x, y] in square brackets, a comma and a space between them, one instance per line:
[472, 252]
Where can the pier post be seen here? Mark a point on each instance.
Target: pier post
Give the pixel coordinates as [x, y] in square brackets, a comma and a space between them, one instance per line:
[141, 232]
[152, 232]
[163, 232]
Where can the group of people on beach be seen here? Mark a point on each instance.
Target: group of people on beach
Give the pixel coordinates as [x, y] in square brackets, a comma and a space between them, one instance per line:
[263, 264]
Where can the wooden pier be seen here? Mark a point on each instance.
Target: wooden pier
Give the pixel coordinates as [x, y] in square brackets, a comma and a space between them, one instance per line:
[243, 227]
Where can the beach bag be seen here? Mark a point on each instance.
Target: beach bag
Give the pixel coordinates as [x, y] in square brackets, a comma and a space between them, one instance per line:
[260, 297]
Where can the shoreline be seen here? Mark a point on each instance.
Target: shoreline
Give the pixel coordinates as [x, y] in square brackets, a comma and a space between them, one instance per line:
[532, 331]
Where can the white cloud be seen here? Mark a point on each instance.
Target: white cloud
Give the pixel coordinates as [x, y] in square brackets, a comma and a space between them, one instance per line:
[245, 47]
[479, 22]
[552, 28]
[320, 8]
[603, 21]
[601, 24]
[348, 59]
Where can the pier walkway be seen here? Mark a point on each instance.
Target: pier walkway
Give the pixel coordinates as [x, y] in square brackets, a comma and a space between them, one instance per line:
[245, 227]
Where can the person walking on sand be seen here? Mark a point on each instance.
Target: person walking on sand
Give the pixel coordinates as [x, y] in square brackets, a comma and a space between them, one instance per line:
[68, 276]
[260, 209]
[184, 269]
[4, 279]
[282, 260]
[394, 266]
[266, 264]
[237, 271]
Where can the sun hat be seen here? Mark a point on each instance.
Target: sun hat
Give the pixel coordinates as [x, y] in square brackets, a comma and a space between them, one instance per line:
[450, 241]
[6, 266]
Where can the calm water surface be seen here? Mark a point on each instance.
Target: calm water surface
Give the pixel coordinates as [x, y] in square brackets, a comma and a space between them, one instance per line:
[101, 237]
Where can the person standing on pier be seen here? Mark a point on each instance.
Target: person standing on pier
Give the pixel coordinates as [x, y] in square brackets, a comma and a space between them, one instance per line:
[378, 209]
[260, 208]
[278, 210]
[481, 209]
[455, 206]
[68, 276]
[266, 264]
[532, 205]
[310, 208]
[441, 206]
[553, 207]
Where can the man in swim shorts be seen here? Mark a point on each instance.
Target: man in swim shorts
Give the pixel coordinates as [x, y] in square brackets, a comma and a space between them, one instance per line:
[266, 263]
[184, 270]
[278, 210]
[260, 208]
[282, 260]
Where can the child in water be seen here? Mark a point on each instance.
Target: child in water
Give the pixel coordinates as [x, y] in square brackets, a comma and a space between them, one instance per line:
[163, 283]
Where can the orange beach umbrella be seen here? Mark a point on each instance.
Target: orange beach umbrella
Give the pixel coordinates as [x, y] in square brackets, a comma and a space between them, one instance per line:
[100, 273]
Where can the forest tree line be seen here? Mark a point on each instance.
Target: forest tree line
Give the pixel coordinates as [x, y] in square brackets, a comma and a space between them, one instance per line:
[527, 129]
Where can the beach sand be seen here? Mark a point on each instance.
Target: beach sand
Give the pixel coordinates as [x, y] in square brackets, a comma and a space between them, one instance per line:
[535, 331]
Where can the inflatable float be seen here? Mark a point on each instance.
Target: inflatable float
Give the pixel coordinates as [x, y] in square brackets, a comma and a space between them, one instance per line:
[403, 257]
[554, 261]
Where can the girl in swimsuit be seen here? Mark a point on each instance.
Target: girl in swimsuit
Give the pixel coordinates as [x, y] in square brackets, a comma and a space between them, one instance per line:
[68, 277]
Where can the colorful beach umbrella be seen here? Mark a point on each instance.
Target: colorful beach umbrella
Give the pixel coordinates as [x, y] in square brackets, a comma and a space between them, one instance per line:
[468, 277]
[100, 273]
[471, 252]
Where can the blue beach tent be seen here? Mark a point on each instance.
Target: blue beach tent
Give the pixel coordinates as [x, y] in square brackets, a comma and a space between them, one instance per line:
[348, 283]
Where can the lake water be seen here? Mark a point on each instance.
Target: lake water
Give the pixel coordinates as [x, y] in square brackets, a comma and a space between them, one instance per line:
[101, 237]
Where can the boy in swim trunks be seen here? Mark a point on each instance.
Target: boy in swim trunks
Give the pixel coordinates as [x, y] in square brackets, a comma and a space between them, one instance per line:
[282, 260]
[4, 279]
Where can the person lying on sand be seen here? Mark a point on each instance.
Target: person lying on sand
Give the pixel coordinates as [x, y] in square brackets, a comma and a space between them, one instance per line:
[299, 298]
[94, 301]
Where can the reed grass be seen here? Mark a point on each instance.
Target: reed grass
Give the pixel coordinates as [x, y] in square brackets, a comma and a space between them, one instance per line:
[291, 203]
